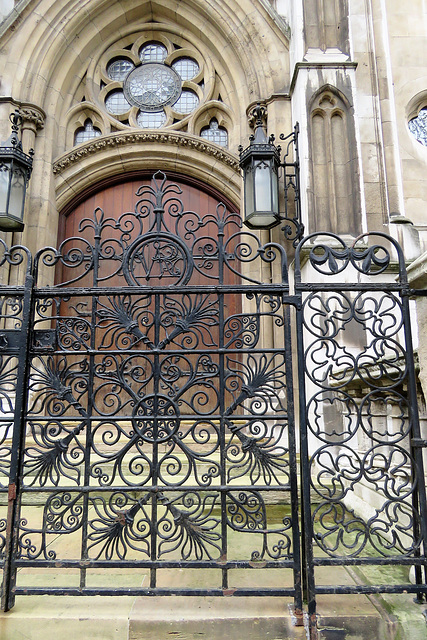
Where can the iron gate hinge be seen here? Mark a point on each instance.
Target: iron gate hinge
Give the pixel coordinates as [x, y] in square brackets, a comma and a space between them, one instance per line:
[418, 442]
[10, 340]
[11, 495]
[45, 339]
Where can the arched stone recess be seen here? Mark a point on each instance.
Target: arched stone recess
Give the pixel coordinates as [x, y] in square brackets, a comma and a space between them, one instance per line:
[245, 52]
[124, 153]
[333, 195]
[78, 117]
[415, 110]
[59, 52]
[411, 103]
[204, 117]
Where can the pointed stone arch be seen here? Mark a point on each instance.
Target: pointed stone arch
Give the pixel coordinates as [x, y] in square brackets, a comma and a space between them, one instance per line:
[333, 193]
[247, 46]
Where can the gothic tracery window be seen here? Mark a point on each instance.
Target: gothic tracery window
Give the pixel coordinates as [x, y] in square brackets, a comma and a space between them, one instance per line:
[153, 83]
[418, 127]
[215, 133]
[83, 134]
[154, 80]
[334, 189]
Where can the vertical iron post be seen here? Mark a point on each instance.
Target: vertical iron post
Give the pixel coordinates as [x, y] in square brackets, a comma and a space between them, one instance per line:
[18, 439]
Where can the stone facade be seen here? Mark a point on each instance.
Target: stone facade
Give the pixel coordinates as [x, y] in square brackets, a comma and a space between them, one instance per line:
[352, 73]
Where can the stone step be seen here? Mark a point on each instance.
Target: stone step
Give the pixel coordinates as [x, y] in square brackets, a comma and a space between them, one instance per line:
[189, 618]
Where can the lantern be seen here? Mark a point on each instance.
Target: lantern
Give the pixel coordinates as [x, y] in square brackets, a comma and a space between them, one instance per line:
[260, 163]
[15, 172]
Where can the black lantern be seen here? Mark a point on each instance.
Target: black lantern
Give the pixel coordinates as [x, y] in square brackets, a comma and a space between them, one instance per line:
[15, 172]
[260, 163]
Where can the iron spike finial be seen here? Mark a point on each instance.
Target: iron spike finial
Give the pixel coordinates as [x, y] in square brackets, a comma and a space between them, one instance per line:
[16, 120]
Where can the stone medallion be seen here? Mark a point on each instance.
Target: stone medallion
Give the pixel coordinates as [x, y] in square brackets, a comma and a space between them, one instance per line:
[152, 86]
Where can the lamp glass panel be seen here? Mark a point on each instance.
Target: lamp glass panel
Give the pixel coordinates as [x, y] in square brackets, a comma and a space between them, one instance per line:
[275, 192]
[262, 220]
[4, 186]
[17, 193]
[249, 191]
[263, 199]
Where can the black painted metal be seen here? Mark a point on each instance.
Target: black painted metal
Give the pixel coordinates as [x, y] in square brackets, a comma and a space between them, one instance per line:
[158, 432]
[364, 496]
[147, 409]
[294, 227]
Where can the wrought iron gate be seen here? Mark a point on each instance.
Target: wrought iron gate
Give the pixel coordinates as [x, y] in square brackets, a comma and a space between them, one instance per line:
[147, 411]
[363, 480]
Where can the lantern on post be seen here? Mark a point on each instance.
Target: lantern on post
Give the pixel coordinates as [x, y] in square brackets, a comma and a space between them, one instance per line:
[15, 172]
[261, 163]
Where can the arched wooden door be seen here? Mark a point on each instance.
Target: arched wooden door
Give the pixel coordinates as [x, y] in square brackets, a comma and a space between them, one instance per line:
[119, 196]
[119, 202]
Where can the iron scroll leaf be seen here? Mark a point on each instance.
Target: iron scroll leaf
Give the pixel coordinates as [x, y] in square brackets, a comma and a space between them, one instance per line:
[369, 254]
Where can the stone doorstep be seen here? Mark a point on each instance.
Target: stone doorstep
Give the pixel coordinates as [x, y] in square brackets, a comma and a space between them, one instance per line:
[342, 617]
[184, 618]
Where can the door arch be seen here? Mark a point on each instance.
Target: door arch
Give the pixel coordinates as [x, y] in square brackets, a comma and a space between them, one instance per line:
[119, 200]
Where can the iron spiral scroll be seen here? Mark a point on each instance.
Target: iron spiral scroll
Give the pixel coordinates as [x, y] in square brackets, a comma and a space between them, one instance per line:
[147, 407]
[156, 420]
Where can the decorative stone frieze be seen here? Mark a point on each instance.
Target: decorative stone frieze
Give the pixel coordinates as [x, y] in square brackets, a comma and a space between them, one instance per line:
[164, 137]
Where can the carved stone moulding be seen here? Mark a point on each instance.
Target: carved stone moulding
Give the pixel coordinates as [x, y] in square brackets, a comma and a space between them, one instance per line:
[122, 139]
[31, 113]
[124, 153]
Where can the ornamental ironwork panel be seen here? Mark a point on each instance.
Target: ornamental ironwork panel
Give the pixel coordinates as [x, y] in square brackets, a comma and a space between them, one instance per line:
[362, 466]
[148, 444]
[158, 431]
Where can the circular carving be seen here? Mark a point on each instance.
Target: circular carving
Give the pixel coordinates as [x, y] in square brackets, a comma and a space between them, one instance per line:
[156, 418]
[157, 256]
[152, 86]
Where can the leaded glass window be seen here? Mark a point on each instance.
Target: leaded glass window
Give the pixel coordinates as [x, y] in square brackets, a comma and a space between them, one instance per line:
[153, 52]
[153, 81]
[148, 120]
[153, 86]
[215, 133]
[116, 103]
[86, 133]
[186, 68]
[187, 102]
[418, 127]
[119, 69]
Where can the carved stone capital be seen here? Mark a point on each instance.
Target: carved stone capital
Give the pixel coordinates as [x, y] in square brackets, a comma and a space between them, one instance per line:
[31, 113]
[257, 114]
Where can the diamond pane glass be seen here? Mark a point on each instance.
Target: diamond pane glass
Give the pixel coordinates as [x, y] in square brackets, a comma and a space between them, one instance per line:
[152, 86]
[215, 133]
[187, 102]
[418, 127]
[153, 52]
[119, 69]
[147, 120]
[187, 68]
[116, 103]
[86, 133]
